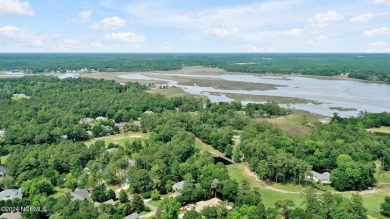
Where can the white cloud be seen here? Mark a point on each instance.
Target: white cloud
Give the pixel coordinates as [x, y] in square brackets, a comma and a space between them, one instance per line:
[84, 16]
[378, 44]
[8, 7]
[325, 19]
[379, 2]
[21, 37]
[361, 19]
[125, 37]
[252, 48]
[377, 32]
[112, 23]
[224, 32]
[292, 33]
[318, 40]
[165, 46]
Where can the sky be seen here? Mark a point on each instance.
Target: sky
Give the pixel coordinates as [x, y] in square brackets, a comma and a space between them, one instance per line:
[198, 26]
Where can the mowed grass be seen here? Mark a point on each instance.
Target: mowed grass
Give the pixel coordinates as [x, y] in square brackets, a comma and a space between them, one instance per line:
[269, 197]
[158, 202]
[372, 200]
[175, 92]
[4, 159]
[118, 138]
[382, 177]
[293, 124]
[382, 130]
[199, 144]
[60, 192]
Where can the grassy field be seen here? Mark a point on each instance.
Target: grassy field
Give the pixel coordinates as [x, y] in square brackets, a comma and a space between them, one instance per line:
[175, 92]
[265, 98]
[118, 139]
[4, 159]
[382, 130]
[199, 144]
[158, 202]
[60, 192]
[293, 124]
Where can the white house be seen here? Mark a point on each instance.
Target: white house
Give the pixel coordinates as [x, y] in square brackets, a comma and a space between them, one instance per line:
[323, 178]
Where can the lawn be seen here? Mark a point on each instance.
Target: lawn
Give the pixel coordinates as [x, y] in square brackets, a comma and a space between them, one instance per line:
[175, 92]
[382, 130]
[118, 138]
[269, 197]
[199, 144]
[3, 159]
[372, 200]
[60, 192]
[293, 124]
[384, 176]
[158, 202]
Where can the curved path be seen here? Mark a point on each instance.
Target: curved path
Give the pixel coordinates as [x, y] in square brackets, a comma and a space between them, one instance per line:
[248, 172]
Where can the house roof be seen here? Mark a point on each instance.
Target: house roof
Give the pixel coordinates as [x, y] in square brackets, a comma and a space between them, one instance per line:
[202, 204]
[15, 215]
[132, 216]
[110, 150]
[80, 194]
[178, 185]
[321, 176]
[3, 170]
[11, 194]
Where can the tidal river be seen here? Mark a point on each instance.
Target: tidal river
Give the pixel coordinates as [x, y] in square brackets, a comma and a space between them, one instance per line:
[362, 96]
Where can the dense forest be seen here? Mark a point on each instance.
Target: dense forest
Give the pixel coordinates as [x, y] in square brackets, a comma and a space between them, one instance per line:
[373, 67]
[42, 162]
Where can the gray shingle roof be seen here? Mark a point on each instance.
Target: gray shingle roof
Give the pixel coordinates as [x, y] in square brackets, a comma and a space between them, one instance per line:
[11, 194]
[3, 170]
[80, 194]
[178, 185]
[132, 216]
[321, 176]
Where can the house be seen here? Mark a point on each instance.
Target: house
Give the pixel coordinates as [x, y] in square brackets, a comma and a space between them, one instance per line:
[108, 202]
[130, 162]
[89, 133]
[80, 194]
[199, 206]
[15, 215]
[11, 194]
[121, 126]
[86, 120]
[101, 118]
[319, 177]
[148, 112]
[178, 186]
[175, 194]
[2, 134]
[64, 137]
[133, 216]
[325, 121]
[3, 171]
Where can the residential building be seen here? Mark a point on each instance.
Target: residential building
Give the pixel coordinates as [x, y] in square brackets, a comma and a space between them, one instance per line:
[80, 194]
[319, 177]
[3, 171]
[11, 194]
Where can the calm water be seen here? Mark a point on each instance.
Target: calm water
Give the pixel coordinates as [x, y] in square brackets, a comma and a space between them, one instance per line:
[363, 96]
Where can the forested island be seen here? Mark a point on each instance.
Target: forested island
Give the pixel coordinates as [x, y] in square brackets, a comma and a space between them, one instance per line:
[87, 148]
[371, 67]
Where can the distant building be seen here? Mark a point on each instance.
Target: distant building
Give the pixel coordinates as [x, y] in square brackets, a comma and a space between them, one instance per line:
[319, 177]
[89, 133]
[11, 194]
[64, 137]
[325, 121]
[3, 171]
[106, 128]
[111, 150]
[148, 112]
[2, 134]
[80, 194]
